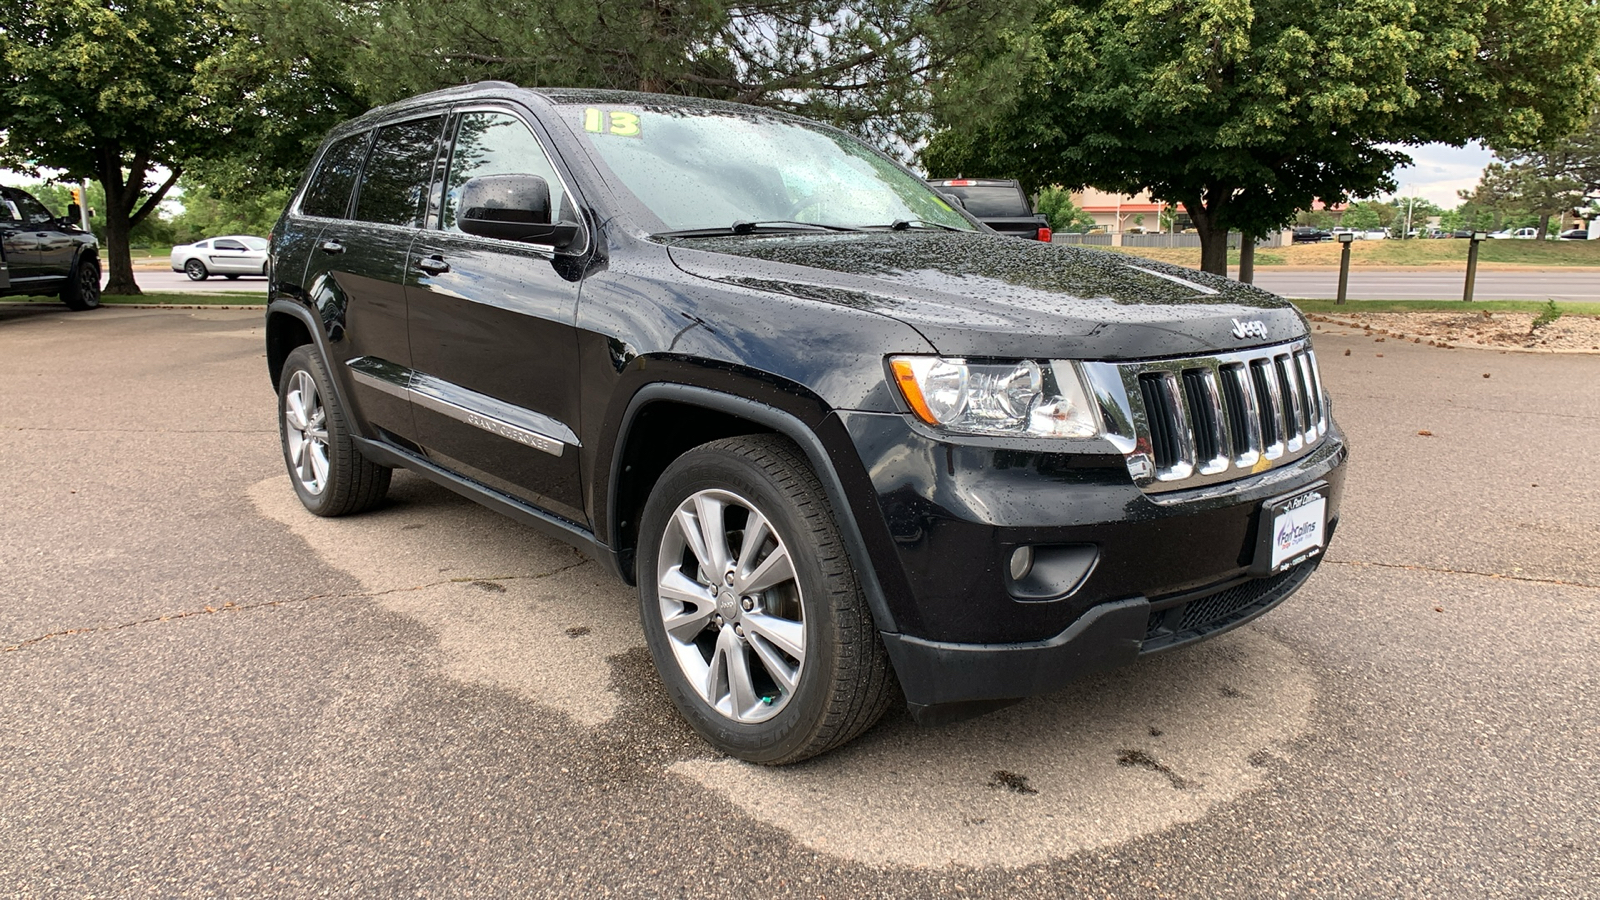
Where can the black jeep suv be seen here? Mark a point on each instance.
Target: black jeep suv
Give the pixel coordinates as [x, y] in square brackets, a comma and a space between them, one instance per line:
[846, 442]
[43, 254]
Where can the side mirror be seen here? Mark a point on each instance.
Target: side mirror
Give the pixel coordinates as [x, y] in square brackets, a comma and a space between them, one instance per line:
[511, 208]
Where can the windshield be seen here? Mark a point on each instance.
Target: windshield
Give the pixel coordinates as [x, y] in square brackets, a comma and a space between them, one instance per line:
[711, 168]
[254, 243]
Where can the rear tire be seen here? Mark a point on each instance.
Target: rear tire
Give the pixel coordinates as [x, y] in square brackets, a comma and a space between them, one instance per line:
[330, 475]
[82, 290]
[769, 650]
[196, 270]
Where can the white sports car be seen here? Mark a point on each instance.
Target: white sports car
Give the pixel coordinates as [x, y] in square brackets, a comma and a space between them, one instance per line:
[229, 256]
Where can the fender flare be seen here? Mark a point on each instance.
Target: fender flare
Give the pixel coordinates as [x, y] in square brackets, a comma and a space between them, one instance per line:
[790, 426]
[319, 340]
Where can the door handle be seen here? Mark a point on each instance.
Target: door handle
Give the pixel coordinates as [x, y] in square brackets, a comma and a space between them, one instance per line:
[433, 265]
[331, 247]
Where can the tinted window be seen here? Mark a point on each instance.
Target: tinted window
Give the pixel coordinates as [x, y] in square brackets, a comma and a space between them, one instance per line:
[498, 144]
[8, 210]
[33, 212]
[229, 245]
[329, 192]
[394, 183]
[991, 202]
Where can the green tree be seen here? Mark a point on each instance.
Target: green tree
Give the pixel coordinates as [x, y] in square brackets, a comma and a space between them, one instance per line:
[1368, 216]
[1411, 214]
[300, 66]
[108, 91]
[1245, 111]
[1056, 205]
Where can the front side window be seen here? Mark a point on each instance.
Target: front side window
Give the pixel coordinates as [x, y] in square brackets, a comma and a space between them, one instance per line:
[33, 212]
[710, 168]
[394, 183]
[494, 143]
[328, 194]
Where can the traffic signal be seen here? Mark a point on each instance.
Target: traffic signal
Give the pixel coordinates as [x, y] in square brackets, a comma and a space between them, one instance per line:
[77, 196]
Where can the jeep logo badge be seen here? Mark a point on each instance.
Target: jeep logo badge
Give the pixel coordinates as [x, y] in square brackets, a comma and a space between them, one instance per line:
[1254, 328]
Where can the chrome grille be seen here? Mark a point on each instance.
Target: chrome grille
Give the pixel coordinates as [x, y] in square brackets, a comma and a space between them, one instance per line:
[1188, 422]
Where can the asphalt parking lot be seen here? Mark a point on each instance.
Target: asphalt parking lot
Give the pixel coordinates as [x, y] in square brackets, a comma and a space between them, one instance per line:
[209, 692]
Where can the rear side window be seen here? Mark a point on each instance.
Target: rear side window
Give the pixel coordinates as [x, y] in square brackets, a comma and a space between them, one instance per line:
[229, 245]
[394, 184]
[328, 194]
[991, 201]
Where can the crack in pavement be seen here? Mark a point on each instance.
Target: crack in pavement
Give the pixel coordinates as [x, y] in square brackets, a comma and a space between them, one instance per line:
[231, 606]
[1443, 571]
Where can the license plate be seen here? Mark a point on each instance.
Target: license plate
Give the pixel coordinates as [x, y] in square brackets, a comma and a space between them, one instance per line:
[1294, 529]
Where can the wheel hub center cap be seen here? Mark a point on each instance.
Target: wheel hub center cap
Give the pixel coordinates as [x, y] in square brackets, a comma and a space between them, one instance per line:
[727, 605]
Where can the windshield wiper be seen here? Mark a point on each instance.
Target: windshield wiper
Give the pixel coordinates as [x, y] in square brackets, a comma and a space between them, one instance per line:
[907, 224]
[753, 227]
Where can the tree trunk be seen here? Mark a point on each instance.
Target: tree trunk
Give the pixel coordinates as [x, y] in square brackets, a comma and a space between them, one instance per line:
[1247, 259]
[124, 211]
[119, 261]
[1544, 226]
[1213, 240]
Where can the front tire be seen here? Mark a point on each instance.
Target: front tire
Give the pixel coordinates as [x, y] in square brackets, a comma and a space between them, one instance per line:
[330, 475]
[751, 607]
[82, 290]
[196, 270]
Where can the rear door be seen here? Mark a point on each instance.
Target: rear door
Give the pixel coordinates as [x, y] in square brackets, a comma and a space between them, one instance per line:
[356, 271]
[493, 342]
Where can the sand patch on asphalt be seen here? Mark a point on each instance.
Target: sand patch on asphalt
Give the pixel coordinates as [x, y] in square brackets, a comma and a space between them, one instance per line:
[1113, 759]
[511, 608]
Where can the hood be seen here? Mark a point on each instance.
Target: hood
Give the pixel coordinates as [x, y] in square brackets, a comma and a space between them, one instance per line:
[987, 295]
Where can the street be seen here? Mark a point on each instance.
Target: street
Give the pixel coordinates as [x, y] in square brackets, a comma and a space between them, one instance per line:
[210, 692]
[1560, 285]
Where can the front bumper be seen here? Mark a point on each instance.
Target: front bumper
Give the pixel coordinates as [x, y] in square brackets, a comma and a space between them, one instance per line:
[1166, 570]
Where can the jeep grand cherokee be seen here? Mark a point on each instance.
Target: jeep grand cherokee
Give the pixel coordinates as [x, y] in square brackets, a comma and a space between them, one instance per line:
[850, 445]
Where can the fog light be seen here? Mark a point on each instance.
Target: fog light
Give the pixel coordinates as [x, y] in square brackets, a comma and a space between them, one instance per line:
[1021, 563]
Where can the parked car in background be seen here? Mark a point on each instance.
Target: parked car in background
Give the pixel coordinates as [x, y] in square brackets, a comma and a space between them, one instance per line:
[229, 256]
[1308, 235]
[998, 203]
[1575, 234]
[43, 254]
[1517, 234]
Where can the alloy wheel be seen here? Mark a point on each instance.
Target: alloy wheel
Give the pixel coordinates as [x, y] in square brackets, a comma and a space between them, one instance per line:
[731, 606]
[306, 432]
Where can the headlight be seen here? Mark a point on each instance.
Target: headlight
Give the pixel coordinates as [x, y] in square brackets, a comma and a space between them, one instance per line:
[1023, 398]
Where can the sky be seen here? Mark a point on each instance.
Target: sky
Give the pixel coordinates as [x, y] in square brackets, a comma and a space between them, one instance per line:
[1438, 171]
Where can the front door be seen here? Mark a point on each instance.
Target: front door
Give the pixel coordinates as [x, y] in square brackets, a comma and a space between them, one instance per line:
[493, 345]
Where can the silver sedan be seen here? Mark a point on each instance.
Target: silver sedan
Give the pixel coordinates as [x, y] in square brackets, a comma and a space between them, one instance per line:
[229, 256]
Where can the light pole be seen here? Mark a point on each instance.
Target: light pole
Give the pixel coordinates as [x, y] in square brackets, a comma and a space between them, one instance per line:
[1345, 240]
[1472, 264]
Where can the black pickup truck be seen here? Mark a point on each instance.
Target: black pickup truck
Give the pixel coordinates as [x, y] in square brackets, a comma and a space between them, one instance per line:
[1000, 204]
[42, 254]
